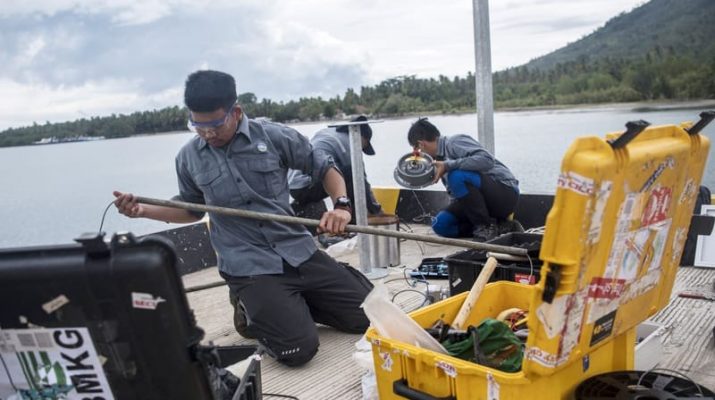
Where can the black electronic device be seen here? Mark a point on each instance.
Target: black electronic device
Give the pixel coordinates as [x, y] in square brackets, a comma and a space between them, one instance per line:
[431, 268]
[108, 321]
[464, 266]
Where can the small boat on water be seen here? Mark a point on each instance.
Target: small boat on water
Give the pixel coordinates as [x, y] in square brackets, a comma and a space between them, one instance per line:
[68, 139]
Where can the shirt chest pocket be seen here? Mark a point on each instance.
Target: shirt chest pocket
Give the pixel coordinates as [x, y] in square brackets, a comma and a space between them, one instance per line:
[265, 176]
[211, 183]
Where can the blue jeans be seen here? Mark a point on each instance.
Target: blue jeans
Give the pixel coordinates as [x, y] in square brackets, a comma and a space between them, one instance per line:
[477, 199]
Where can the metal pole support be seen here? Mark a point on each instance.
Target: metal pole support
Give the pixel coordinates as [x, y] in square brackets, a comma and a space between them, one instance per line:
[483, 74]
[365, 246]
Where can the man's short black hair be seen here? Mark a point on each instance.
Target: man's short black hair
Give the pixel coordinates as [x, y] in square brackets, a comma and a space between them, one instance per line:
[422, 130]
[207, 91]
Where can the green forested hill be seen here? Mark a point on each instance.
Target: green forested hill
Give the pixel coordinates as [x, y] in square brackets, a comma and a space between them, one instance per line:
[661, 50]
[681, 28]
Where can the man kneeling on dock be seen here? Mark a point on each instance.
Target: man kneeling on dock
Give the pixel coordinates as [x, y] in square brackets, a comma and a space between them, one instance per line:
[484, 192]
[280, 283]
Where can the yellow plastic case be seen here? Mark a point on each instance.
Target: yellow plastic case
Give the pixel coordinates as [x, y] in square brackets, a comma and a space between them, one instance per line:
[611, 249]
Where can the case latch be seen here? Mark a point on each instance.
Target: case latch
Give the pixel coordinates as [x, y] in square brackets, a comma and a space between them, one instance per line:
[553, 279]
[93, 243]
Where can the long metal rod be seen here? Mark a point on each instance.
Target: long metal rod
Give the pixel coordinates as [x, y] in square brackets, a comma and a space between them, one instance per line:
[199, 288]
[350, 228]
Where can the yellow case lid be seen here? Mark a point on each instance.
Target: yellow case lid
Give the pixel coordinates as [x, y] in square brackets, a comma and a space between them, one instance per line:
[613, 239]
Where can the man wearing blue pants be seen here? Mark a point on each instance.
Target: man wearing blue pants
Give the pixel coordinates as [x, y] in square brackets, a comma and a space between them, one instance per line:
[484, 192]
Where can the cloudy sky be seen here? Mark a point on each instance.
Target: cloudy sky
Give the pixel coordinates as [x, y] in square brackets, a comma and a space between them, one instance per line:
[68, 59]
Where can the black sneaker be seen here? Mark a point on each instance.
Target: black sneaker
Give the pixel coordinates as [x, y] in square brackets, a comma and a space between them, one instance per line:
[485, 232]
[239, 318]
[509, 226]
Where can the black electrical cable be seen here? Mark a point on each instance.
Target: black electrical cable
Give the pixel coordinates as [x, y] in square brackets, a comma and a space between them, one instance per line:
[410, 230]
[104, 214]
[425, 302]
[414, 280]
[424, 214]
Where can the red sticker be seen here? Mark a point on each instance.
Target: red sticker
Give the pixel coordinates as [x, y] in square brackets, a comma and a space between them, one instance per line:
[656, 209]
[606, 288]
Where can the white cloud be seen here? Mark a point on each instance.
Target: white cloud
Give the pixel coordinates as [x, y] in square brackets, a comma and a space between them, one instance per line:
[29, 52]
[298, 51]
[392, 37]
[23, 104]
[112, 56]
[142, 12]
[124, 11]
[25, 7]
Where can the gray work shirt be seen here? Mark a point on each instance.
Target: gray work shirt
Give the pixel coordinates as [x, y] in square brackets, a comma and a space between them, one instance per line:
[336, 145]
[251, 173]
[465, 153]
[333, 144]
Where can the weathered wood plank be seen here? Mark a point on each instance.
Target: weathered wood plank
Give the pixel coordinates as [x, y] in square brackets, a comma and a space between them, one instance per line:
[688, 343]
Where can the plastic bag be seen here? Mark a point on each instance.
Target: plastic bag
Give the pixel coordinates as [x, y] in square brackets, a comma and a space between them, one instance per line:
[368, 382]
[363, 355]
[363, 358]
[392, 323]
[342, 248]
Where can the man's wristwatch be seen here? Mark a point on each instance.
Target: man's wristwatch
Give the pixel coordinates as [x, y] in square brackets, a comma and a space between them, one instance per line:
[343, 203]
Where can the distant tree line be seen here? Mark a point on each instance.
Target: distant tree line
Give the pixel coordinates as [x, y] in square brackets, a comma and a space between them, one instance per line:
[660, 74]
[114, 126]
[392, 97]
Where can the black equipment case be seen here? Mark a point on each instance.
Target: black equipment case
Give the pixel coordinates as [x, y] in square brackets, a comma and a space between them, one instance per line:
[101, 320]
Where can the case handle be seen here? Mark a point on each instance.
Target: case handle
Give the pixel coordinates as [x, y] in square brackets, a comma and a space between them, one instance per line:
[551, 284]
[633, 128]
[401, 389]
[705, 118]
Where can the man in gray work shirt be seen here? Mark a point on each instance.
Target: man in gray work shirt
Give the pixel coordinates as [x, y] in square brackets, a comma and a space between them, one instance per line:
[334, 143]
[277, 278]
[484, 192]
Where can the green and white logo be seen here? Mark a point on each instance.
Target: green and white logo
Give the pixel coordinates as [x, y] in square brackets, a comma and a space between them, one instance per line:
[47, 379]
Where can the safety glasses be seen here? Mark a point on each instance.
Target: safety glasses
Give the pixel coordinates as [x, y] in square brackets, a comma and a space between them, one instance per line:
[209, 126]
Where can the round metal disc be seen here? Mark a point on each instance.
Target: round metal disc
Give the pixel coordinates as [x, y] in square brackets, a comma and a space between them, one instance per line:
[414, 171]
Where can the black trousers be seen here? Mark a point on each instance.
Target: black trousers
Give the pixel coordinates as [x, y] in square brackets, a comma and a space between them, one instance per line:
[491, 203]
[316, 193]
[282, 309]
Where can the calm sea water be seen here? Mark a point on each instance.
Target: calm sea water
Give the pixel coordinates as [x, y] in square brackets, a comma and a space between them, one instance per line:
[51, 194]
